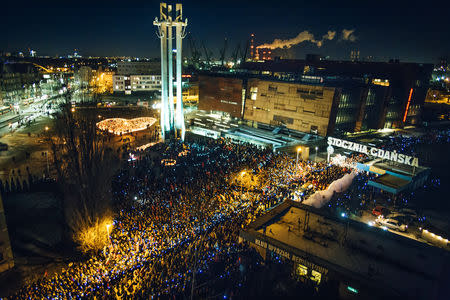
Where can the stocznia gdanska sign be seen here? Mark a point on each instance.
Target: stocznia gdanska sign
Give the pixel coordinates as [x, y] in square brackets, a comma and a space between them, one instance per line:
[385, 154]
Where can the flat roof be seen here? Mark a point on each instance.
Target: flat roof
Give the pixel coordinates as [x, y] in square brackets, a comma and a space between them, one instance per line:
[392, 181]
[400, 168]
[365, 254]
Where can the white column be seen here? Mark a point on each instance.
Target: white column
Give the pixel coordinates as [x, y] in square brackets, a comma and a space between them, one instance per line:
[170, 65]
[179, 119]
[164, 112]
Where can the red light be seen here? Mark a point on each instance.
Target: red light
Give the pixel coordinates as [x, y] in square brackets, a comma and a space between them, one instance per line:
[407, 105]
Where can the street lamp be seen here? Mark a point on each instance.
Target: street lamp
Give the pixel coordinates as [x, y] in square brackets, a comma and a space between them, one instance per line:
[46, 128]
[298, 151]
[315, 157]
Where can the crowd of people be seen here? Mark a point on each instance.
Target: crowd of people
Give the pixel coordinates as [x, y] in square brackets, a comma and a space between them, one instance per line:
[176, 226]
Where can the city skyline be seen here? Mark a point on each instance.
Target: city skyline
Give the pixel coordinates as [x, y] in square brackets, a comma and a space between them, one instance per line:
[405, 31]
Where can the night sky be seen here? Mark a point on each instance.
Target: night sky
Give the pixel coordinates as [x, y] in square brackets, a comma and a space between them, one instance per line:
[408, 30]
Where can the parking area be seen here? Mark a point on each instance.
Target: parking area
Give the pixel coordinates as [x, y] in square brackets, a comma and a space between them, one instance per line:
[404, 222]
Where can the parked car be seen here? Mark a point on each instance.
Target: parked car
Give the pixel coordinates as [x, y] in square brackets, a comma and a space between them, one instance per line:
[402, 218]
[391, 224]
[380, 211]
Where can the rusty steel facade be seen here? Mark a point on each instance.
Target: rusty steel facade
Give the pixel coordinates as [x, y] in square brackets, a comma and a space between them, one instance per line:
[223, 94]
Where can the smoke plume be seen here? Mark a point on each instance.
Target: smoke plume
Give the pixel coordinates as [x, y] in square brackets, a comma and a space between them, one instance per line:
[304, 36]
[347, 35]
[320, 198]
[327, 37]
[300, 38]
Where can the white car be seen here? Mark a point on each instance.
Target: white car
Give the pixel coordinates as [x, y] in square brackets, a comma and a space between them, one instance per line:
[391, 224]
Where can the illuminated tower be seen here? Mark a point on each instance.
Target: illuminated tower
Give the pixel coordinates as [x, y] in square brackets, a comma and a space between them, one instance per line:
[172, 120]
[252, 46]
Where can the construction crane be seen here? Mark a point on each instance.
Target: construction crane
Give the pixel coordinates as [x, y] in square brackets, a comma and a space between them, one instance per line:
[223, 51]
[195, 54]
[235, 54]
[207, 55]
[244, 52]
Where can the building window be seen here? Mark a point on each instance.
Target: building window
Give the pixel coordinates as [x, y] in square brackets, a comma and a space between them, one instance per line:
[253, 92]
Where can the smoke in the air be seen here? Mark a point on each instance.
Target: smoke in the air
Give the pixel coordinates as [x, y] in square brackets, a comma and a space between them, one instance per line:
[304, 36]
[347, 35]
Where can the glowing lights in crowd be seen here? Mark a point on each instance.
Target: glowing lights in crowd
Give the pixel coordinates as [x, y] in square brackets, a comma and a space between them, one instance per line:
[120, 126]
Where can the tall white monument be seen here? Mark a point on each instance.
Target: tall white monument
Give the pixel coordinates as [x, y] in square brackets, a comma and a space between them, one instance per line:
[172, 120]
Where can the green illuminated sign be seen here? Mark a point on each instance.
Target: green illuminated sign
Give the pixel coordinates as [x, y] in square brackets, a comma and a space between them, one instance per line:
[351, 289]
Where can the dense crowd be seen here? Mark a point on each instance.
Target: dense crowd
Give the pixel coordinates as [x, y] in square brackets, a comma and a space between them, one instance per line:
[176, 226]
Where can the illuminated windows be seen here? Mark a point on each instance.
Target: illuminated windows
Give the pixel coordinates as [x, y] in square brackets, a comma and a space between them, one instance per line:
[382, 82]
[253, 92]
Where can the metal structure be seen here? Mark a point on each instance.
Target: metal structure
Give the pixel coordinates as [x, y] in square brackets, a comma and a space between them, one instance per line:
[172, 120]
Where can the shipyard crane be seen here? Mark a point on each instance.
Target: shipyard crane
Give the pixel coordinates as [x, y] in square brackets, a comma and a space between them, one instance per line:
[244, 52]
[223, 50]
[235, 54]
[195, 54]
[207, 55]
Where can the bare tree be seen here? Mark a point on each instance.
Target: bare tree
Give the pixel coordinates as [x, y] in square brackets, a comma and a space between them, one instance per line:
[84, 166]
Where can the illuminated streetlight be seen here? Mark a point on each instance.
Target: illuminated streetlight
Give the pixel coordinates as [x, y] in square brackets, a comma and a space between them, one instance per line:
[46, 128]
[73, 109]
[299, 149]
[315, 157]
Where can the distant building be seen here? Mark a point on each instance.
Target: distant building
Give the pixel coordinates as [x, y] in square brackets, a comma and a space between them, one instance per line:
[137, 76]
[85, 75]
[320, 96]
[136, 83]
[138, 68]
[18, 81]
[354, 55]
[263, 54]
